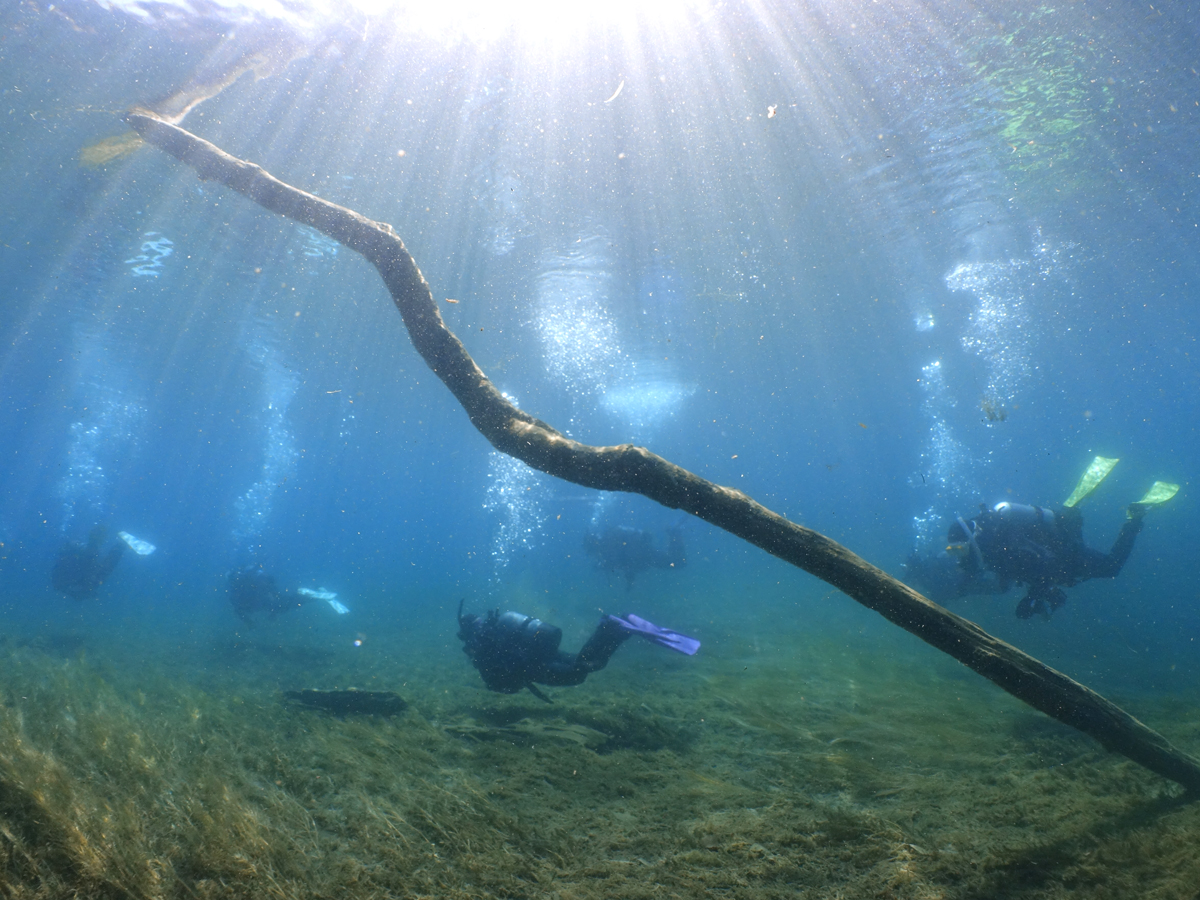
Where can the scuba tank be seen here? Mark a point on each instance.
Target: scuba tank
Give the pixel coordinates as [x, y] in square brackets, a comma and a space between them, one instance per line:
[530, 634]
[1022, 514]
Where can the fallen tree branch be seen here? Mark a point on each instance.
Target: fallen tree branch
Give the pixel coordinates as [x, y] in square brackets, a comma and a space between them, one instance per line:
[637, 470]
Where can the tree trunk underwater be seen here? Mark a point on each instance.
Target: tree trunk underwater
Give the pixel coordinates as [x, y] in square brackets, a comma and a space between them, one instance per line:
[636, 470]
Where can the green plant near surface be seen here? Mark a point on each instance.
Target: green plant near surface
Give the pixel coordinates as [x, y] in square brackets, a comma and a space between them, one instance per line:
[798, 771]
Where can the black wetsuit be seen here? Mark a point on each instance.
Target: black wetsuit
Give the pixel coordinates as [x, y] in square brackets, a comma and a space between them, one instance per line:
[631, 551]
[513, 651]
[81, 568]
[252, 591]
[942, 579]
[1044, 551]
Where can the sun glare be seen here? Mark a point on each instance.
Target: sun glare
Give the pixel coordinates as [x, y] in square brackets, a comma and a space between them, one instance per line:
[548, 23]
[529, 21]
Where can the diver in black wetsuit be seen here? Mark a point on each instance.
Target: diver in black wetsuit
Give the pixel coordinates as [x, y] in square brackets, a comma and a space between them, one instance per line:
[631, 551]
[252, 591]
[942, 579]
[513, 651]
[80, 568]
[1040, 548]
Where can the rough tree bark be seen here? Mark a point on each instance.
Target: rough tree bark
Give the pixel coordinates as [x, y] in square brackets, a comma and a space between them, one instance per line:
[637, 470]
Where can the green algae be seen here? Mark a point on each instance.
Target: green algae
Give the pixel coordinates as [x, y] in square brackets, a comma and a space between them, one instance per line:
[801, 769]
[1047, 91]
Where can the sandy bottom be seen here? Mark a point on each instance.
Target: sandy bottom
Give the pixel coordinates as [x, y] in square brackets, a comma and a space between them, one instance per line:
[790, 768]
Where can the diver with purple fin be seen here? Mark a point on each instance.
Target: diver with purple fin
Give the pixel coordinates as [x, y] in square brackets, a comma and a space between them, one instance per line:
[514, 651]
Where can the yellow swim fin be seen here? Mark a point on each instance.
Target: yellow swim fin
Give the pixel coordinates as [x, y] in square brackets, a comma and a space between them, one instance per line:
[1091, 479]
[1160, 492]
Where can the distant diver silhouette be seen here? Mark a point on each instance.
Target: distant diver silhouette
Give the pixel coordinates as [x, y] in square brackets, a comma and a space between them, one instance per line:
[80, 568]
[253, 592]
[631, 551]
[942, 579]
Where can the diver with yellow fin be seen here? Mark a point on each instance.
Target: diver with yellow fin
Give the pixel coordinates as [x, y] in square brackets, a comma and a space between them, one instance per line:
[1043, 548]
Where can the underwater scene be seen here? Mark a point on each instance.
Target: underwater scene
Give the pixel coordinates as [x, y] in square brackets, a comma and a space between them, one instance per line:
[676, 448]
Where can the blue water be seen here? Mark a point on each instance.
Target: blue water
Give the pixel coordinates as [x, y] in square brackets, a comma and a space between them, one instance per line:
[803, 252]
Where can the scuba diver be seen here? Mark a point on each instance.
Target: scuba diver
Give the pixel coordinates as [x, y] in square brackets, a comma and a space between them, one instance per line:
[1043, 549]
[253, 591]
[942, 579]
[630, 551]
[80, 568]
[513, 651]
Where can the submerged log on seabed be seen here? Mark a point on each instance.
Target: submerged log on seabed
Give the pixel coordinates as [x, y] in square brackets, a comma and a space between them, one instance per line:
[351, 702]
[637, 470]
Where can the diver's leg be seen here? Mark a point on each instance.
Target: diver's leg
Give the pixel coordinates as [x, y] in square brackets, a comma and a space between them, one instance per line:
[110, 561]
[600, 647]
[1101, 565]
[562, 670]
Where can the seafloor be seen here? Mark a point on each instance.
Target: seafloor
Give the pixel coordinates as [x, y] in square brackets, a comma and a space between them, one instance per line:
[779, 765]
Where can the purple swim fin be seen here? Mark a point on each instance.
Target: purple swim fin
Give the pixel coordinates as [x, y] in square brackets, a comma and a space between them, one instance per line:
[680, 643]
